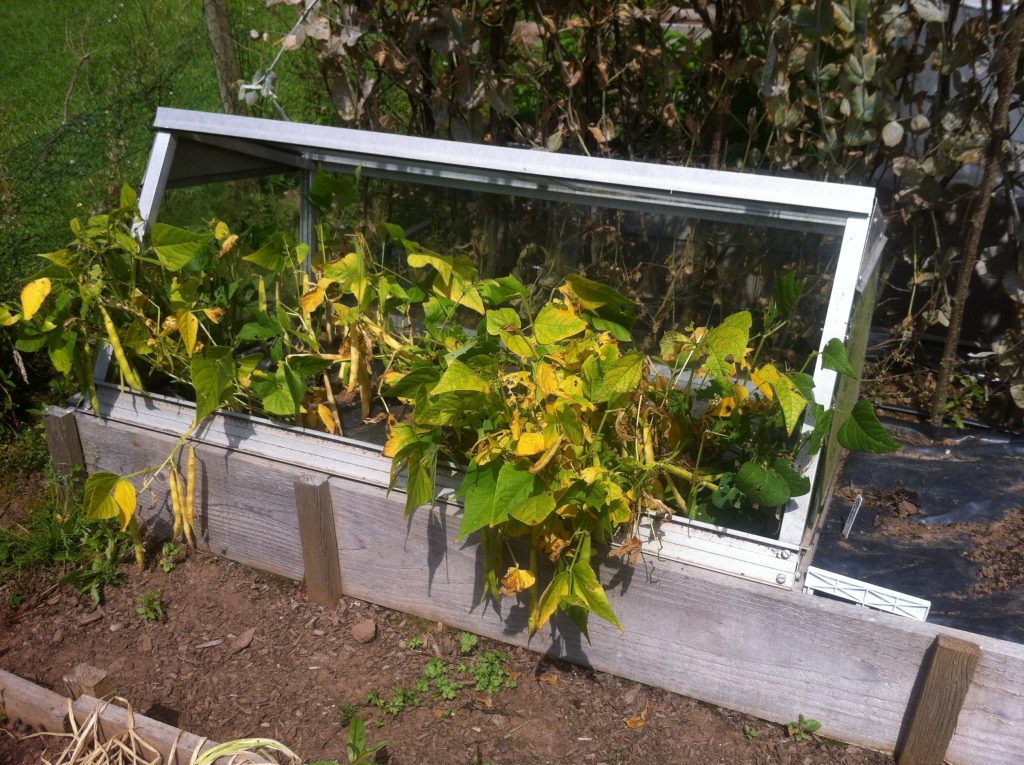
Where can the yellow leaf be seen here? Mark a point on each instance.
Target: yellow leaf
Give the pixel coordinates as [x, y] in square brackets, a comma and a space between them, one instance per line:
[591, 474]
[124, 495]
[764, 378]
[32, 296]
[315, 297]
[327, 418]
[547, 382]
[530, 444]
[214, 314]
[221, 231]
[516, 580]
[188, 327]
[639, 721]
[399, 437]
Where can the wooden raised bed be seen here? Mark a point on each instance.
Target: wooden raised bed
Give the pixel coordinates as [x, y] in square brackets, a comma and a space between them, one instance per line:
[308, 505]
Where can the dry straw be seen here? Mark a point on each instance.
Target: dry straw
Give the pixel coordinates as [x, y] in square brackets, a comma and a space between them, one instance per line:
[88, 746]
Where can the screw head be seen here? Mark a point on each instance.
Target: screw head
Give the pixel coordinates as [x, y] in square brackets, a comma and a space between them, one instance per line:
[780, 578]
[785, 554]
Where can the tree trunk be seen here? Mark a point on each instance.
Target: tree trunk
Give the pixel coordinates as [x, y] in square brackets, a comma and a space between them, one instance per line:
[224, 59]
[1000, 132]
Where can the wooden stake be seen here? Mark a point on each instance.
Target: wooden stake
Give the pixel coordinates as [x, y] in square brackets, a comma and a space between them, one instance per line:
[951, 666]
[35, 706]
[86, 679]
[319, 541]
[64, 443]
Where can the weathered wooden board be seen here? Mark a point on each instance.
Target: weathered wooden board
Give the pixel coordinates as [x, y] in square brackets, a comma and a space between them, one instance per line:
[32, 704]
[765, 651]
[245, 506]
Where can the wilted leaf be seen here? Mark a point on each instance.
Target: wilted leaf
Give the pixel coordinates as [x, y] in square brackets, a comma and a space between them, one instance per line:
[107, 495]
[516, 580]
[639, 721]
[929, 10]
[892, 134]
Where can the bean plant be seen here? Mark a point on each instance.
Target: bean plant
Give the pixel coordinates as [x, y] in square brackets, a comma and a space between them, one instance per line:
[566, 436]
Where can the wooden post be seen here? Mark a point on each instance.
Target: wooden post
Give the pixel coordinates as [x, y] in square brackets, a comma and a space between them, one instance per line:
[951, 666]
[319, 541]
[88, 680]
[64, 443]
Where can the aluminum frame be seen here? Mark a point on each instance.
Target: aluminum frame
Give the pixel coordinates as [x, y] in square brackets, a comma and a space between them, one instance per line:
[273, 146]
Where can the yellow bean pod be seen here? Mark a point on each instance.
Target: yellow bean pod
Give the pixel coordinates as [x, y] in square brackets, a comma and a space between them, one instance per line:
[130, 376]
[190, 498]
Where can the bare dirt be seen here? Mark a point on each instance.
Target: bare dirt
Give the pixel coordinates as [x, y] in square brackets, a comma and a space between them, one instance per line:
[243, 653]
[999, 548]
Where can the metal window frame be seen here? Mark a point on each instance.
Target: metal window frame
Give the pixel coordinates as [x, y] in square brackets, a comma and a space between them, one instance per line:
[192, 148]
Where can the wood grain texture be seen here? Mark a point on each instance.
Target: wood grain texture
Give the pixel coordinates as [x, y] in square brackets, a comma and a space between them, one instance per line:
[175, 746]
[760, 650]
[245, 506]
[32, 704]
[948, 672]
[63, 441]
[87, 680]
[319, 542]
[767, 652]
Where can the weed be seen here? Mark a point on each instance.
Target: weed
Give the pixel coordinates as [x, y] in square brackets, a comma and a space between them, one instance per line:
[169, 555]
[348, 711]
[56, 535]
[750, 732]
[416, 643]
[151, 607]
[490, 673]
[802, 729]
[467, 642]
[359, 752]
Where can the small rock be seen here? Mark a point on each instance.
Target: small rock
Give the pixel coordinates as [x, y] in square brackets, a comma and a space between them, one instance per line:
[211, 643]
[364, 631]
[89, 618]
[146, 644]
[498, 720]
[58, 635]
[115, 626]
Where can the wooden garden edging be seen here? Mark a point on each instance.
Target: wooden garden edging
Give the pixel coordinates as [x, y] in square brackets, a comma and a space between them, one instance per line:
[43, 709]
[768, 652]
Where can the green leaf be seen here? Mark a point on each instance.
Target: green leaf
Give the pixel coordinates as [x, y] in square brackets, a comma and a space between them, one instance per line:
[621, 376]
[282, 394]
[263, 328]
[534, 509]
[518, 344]
[498, 291]
[174, 246]
[459, 378]
[109, 496]
[726, 344]
[308, 365]
[554, 323]
[615, 329]
[477, 491]
[515, 486]
[500, 319]
[798, 484]
[421, 258]
[822, 424]
[128, 197]
[586, 586]
[762, 485]
[213, 377]
[61, 347]
[347, 271]
[786, 292]
[328, 188]
[862, 432]
[273, 256]
[552, 597]
[419, 482]
[835, 357]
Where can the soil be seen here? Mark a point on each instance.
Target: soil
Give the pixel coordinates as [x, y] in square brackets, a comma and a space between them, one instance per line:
[999, 548]
[243, 653]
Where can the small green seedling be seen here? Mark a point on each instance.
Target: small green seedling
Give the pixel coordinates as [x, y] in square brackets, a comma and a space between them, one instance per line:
[347, 712]
[151, 607]
[467, 642]
[750, 733]
[416, 643]
[491, 674]
[169, 555]
[359, 752]
[802, 729]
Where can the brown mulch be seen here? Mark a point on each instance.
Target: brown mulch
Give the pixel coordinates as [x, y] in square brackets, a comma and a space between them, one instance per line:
[288, 678]
[999, 548]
